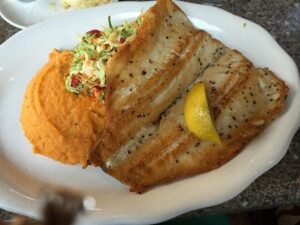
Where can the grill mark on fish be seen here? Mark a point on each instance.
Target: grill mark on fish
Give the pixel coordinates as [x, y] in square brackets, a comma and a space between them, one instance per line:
[130, 147]
[234, 75]
[144, 79]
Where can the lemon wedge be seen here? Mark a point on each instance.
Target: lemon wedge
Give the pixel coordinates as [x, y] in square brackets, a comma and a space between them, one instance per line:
[197, 115]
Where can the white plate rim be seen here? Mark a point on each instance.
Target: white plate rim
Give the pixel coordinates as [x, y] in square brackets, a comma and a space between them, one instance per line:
[150, 218]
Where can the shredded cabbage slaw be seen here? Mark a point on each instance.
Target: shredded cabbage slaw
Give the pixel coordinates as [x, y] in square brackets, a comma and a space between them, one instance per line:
[87, 71]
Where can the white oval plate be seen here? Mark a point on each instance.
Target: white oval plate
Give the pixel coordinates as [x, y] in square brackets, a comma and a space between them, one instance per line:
[23, 175]
[24, 14]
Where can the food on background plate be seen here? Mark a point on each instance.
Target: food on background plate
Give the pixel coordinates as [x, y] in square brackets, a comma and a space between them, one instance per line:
[82, 3]
[146, 140]
[144, 76]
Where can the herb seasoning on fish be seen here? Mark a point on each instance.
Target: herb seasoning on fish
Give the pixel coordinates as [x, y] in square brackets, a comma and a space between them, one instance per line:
[87, 74]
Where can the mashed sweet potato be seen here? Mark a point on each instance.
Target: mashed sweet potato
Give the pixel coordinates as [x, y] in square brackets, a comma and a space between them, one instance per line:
[59, 124]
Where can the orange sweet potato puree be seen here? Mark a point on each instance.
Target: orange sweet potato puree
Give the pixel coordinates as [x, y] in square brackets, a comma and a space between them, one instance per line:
[59, 124]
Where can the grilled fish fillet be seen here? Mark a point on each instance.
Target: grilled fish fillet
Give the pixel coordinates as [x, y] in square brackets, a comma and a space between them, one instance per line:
[146, 140]
[145, 76]
[174, 152]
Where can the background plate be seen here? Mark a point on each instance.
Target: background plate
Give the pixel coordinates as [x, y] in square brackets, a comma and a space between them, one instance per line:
[24, 14]
[23, 175]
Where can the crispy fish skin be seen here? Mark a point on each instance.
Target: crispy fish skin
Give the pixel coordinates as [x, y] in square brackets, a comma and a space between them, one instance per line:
[146, 141]
[145, 76]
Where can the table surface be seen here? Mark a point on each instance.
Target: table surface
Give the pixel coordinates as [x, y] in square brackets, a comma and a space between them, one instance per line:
[280, 185]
